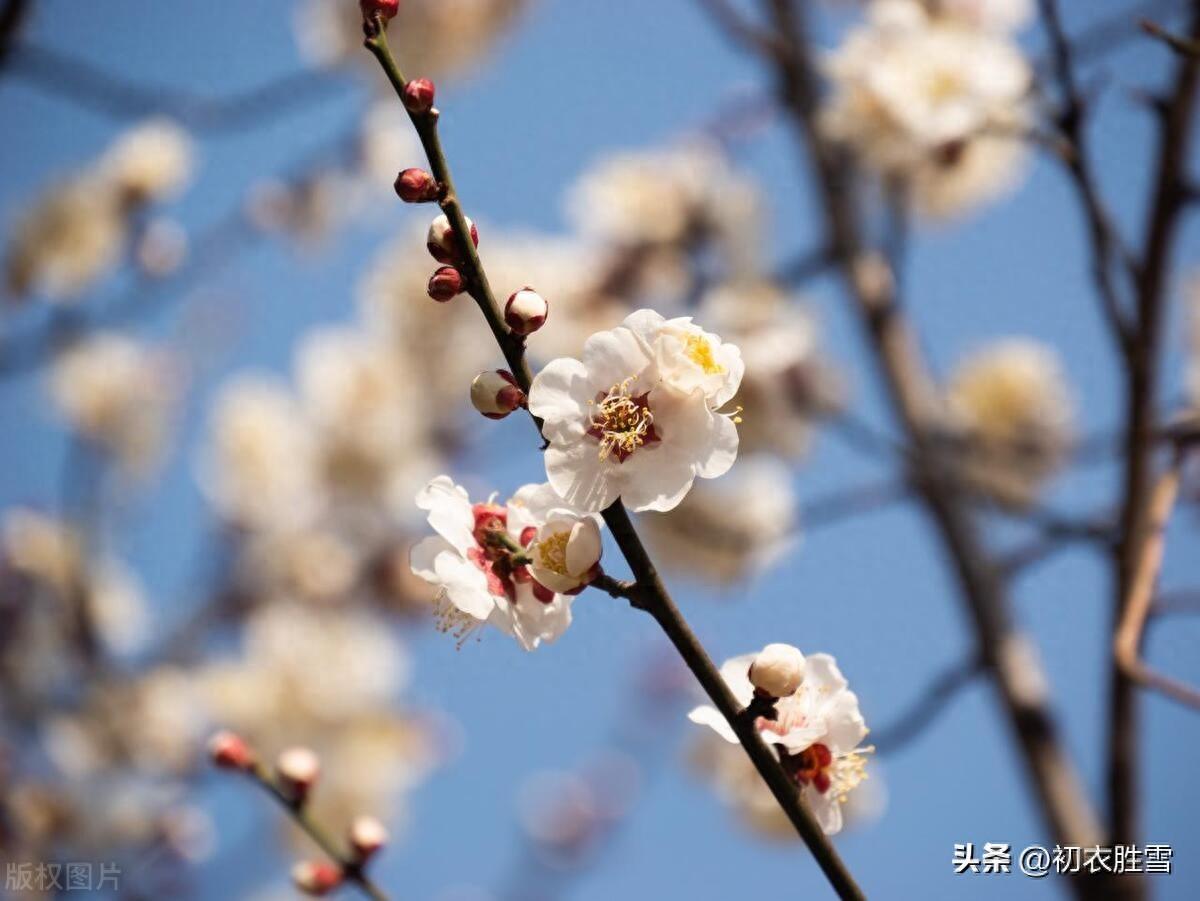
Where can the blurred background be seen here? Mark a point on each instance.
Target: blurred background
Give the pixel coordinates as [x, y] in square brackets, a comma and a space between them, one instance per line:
[222, 383]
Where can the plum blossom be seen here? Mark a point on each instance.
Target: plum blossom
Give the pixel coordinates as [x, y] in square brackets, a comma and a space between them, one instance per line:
[930, 99]
[635, 417]
[472, 562]
[817, 732]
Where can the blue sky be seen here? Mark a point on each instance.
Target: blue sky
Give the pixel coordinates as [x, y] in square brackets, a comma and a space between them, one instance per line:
[576, 81]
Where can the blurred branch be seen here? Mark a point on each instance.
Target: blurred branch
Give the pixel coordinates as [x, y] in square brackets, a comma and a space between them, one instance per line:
[12, 15]
[840, 504]
[1137, 607]
[352, 869]
[1106, 244]
[1105, 34]
[650, 588]
[928, 705]
[870, 283]
[93, 88]
[1169, 197]
[1180, 45]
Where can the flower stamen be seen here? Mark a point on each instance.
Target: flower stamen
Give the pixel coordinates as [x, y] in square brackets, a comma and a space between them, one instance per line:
[700, 352]
[622, 422]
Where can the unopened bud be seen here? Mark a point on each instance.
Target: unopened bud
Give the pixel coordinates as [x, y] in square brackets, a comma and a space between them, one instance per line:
[316, 877]
[367, 835]
[230, 751]
[495, 393]
[416, 186]
[778, 670]
[526, 311]
[385, 9]
[418, 96]
[443, 244]
[445, 284]
[297, 769]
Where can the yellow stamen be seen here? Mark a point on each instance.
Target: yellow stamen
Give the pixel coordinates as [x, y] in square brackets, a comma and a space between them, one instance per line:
[700, 352]
[622, 422]
[552, 553]
[449, 620]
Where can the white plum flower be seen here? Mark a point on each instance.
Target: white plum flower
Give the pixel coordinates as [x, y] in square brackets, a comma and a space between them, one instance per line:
[470, 560]
[915, 94]
[617, 428]
[817, 732]
[150, 162]
[688, 358]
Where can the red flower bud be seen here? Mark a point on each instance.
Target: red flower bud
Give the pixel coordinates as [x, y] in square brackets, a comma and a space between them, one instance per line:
[230, 751]
[418, 96]
[385, 9]
[316, 877]
[443, 244]
[297, 770]
[495, 393]
[416, 186]
[445, 284]
[367, 835]
[526, 311]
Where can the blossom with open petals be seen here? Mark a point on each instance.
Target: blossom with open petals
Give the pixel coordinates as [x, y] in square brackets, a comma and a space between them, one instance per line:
[817, 731]
[618, 428]
[470, 560]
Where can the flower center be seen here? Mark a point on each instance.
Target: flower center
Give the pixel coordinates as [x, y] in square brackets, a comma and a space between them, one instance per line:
[817, 766]
[700, 352]
[621, 422]
[552, 552]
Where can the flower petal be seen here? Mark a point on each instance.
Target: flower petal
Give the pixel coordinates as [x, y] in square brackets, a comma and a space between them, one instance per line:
[706, 715]
[559, 395]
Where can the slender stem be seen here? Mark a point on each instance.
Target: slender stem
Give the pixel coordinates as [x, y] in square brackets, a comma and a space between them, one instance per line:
[352, 869]
[870, 285]
[649, 590]
[1142, 378]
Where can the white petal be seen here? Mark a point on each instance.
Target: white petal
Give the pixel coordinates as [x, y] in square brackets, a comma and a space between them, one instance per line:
[723, 449]
[613, 356]
[821, 675]
[584, 546]
[845, 725]
[736, 673]
[449, 511]
[711, 717]
[578, 474]
[559, 395]
[826, 808]
[466, 585]
[729, 356]
[423, 554]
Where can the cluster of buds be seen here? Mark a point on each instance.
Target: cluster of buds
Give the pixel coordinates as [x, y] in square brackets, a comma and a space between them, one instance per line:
[495, 393]
[526, 311]
[777, 671]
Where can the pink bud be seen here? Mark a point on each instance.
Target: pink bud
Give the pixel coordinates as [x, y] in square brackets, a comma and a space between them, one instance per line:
[367, 835]
[385, 9]
[230, 751]
[416, 186]
[316, 877]
[445, 284]
[526, 311]
[418, 96]
[495, 393]
[297, 769]
[443, 243]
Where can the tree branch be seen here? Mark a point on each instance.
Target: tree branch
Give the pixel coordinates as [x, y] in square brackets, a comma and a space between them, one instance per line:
[1169, 198]
[650, 589]
[929, 704]
[870, 283]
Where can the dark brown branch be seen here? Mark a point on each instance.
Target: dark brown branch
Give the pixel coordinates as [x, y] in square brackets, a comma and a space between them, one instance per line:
[1106, 245]
[1169, 198]
[870, 284]
[1181, 45]
[651, 594]
[925, 709]
[111, 95]
[12, 16]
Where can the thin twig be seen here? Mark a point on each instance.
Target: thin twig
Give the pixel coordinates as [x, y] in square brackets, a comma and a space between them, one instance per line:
[915, 718]
[650, 591]
[1152, 544]
[109, 94]
[1179, 44]
[352, 870]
